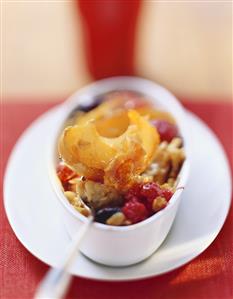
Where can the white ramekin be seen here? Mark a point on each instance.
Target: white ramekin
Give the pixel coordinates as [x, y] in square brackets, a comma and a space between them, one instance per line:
[112, 245]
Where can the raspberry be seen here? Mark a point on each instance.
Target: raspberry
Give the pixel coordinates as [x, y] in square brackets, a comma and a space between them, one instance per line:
[131, 197]
[140, 201]
[166, 130]
[65, 173]
[66, 186]
[167, 194]
[135, 211]
[150, 190]
[136, 190]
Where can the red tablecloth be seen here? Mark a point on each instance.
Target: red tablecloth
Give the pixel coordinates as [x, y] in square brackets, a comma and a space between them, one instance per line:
[208, 276]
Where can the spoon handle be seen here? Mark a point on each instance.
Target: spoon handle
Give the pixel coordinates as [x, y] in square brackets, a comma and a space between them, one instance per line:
[57, 280]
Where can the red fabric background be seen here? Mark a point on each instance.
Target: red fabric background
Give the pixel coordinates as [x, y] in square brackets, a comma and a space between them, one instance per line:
[208, 276]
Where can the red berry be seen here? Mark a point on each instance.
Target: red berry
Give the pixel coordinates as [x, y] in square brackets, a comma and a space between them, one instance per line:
[166, 130]
[150, 190]
[135, 211]
[66, 186]
[143, 196]
[167, 194]
[131, 197]
[64, 172]
[136, 190]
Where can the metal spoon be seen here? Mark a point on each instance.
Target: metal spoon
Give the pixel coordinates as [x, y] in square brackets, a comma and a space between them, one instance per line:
[57, 280]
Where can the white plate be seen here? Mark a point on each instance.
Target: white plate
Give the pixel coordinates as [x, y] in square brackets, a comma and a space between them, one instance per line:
[33, 211]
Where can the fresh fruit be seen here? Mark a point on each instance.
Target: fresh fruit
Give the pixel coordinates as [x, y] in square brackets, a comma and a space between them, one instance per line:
[135, 211]
[131, 197]
[103, 214]
[64, 172]
[150, 190]
[135, 190]
[66, 186]
[166, 130]
[146, 194]
[167, 194]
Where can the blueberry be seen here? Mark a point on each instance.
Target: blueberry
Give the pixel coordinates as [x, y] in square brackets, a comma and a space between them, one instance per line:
[103, 214]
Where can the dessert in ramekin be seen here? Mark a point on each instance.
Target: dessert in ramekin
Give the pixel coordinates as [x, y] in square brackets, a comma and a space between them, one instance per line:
[134, 179]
